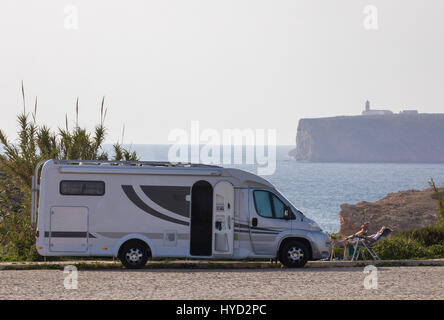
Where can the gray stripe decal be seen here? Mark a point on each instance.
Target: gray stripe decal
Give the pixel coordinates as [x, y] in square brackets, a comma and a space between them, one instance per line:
[240, 225]
[67, 234]
[118, 235]
[239, 230]
[158, 236]
[255, 232]
[131, 194]
[183, 236]
[171, 198]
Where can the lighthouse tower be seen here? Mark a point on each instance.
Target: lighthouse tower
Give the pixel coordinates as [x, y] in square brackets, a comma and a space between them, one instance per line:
[368, 112]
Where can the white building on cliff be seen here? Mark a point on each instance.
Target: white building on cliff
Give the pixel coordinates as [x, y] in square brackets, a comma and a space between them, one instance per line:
[369, 112]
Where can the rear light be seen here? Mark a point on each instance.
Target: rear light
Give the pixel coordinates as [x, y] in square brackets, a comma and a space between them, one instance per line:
[36, 234]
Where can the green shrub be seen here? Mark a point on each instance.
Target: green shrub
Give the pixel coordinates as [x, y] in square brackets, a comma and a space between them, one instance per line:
[426, 242]
[399, 248]
[436, 251]
[338, 252]
[426, 236]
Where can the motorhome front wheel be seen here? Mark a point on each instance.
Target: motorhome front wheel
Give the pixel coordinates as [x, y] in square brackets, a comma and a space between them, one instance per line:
[294, 254]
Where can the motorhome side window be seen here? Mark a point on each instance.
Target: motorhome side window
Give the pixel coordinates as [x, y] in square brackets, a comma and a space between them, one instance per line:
[268, 205]
[82, 188]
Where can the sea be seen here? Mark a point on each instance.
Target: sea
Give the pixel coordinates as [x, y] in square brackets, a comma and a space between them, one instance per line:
[318, 189]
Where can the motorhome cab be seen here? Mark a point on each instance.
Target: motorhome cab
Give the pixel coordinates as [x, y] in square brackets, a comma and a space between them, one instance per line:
[138, 210]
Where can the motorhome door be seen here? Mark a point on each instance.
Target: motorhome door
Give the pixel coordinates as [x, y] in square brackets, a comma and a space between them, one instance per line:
[68, 229]
[201, 219]
[223, 219]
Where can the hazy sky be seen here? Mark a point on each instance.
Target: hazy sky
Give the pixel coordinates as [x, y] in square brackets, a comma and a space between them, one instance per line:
[229, 64]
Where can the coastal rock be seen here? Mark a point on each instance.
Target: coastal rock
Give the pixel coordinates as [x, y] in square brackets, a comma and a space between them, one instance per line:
[384, 138]
[400, 211]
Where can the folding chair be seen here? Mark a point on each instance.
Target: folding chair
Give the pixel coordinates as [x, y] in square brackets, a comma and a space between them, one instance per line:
[362, 244]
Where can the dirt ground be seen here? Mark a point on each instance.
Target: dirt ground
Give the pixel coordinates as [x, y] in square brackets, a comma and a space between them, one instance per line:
[328, 283]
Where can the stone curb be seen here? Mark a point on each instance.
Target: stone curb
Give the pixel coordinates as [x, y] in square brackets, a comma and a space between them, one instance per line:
[211, 264]
[360, 263]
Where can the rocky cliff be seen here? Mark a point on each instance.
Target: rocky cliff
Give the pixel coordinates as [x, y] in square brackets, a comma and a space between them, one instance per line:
[389, 138]
[400, 211]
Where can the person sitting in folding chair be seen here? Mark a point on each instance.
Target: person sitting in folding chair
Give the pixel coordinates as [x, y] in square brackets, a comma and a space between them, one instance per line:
[352, 240]
[383, 232]
[348, 250]
[368, 243]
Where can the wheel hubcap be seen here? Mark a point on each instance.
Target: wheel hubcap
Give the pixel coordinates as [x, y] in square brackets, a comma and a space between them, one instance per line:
[295, 254]
[133, 255]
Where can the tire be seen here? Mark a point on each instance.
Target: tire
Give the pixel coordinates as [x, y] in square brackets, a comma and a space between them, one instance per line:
[134, 255]
[294, 254]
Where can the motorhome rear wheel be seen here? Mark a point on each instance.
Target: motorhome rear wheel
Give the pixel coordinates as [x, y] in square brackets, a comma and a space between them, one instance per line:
[134, 254]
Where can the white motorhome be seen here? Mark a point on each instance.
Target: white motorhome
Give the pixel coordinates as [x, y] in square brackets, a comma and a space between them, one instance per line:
[137, 210]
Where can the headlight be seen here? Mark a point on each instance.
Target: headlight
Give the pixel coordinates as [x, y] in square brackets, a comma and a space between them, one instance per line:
[314, 224]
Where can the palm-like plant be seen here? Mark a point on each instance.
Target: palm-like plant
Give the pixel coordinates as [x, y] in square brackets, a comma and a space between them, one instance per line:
[17, 164]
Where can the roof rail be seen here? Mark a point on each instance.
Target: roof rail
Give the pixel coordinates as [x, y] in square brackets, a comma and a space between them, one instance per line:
[135, 163]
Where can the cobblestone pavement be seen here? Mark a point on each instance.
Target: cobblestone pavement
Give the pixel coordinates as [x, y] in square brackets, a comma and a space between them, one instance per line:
[330, 283]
